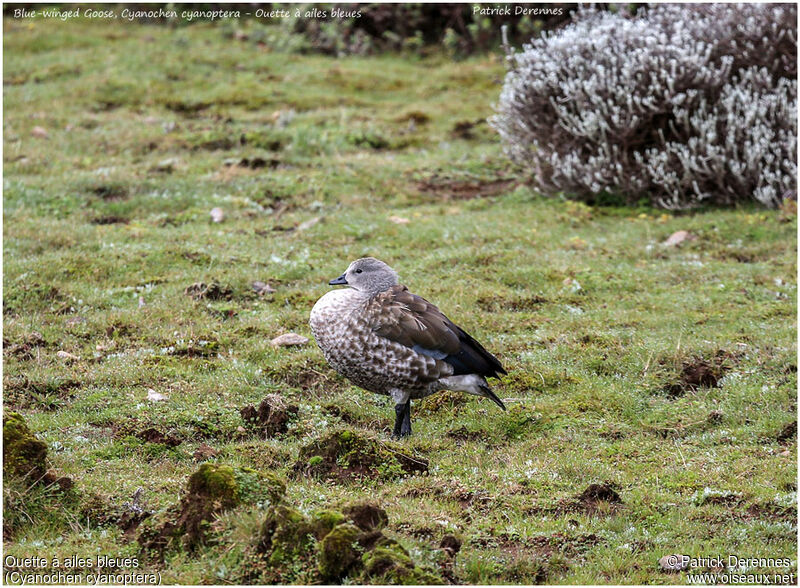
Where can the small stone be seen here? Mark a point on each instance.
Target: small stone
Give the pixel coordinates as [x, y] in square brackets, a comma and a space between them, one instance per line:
[678, 237]
[308, 224]
[67, 356]
[674, 563]
[167, 166]
[288, 340]
[261, 288]
[217, 214]
[399, 220]
[40, 132]
[154, 396]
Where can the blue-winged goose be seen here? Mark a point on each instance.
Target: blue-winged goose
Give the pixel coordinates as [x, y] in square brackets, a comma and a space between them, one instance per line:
[386, 339]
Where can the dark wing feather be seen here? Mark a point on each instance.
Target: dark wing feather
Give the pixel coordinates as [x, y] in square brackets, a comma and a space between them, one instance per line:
[410, 320]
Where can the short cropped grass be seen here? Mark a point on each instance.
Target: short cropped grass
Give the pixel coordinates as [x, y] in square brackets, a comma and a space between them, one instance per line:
[316, 161]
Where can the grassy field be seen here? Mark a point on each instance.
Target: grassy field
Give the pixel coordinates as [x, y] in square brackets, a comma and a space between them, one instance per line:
[665, 376]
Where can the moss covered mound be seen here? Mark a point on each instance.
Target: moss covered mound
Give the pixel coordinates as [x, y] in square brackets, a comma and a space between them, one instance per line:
[391, 564]
[346, 454]
[286, 535]
[338, 552]
[23, 453]
[337, 547]
[212, 489]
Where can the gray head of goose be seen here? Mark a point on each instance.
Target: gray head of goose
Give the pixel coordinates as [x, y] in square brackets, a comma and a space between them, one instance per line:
[367, 275]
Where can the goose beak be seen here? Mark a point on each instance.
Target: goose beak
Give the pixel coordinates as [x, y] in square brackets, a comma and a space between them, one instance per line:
[340, 281]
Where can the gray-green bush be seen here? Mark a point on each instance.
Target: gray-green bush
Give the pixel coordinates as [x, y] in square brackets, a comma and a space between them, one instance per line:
[679, 105]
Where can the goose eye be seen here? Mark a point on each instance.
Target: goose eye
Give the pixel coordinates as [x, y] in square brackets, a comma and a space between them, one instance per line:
[358, 271]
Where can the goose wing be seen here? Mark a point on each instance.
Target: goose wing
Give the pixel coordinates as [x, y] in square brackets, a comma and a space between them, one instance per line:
[410, 320]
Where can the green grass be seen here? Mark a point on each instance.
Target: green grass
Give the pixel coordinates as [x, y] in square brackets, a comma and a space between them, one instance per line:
[107, 222]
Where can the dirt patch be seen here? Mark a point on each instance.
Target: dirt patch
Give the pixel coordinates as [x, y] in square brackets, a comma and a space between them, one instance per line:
[344, 455]
[272, 416]
[252, 162]
[698, 372]
[48, 394]
[595, 499]
[212, 291]
[367, 516]
[449, 189]
[417, 117]
[153, 435]
[110, 192]
[450, 544]
[771, 512]
[204, 452]
[463, 129]
[129, 522]
[787, 432]
[26, 348]
[496, 303]
[597, 492]
[110, 220]
[185, 107]
[723, 499]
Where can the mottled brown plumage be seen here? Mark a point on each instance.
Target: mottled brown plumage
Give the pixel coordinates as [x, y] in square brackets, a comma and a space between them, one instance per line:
[390, 341]
[401, 316]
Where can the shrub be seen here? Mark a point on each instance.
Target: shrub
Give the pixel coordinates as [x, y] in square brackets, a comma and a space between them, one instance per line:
[678, 105]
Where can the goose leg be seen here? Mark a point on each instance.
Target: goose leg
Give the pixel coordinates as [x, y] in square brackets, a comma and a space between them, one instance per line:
[400, 412]
[405, 426]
